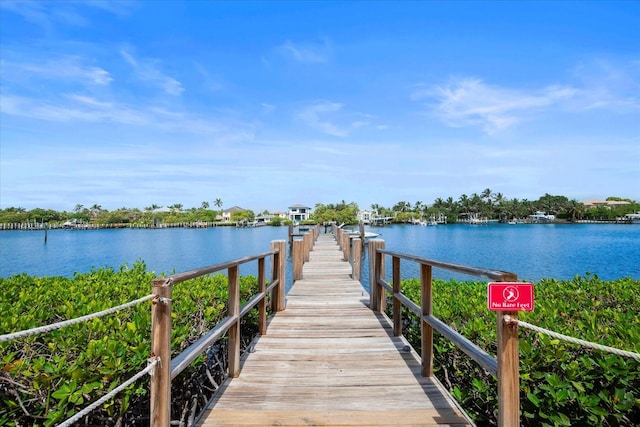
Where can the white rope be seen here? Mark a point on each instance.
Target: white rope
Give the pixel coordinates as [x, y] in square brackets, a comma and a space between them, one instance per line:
[575, 340]
[59, 325]
[69, 422]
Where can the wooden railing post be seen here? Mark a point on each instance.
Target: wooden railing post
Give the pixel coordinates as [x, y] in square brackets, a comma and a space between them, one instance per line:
[161, 347]
[306, 239]
[233, 310]
[279, 272]
[426, 291]
[298, 258]
[508, 371]
[376, 270]
[356, 263]
[262, 305]
[397, 305]
[346, 246]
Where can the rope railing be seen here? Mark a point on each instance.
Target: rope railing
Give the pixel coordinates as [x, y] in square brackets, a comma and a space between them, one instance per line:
[59, 325]
[577, 341]
[151, 364]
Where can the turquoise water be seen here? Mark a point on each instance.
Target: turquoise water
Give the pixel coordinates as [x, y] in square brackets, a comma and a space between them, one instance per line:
[531, 251]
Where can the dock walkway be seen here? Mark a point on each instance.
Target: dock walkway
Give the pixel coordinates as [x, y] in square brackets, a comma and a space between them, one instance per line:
[328, 360]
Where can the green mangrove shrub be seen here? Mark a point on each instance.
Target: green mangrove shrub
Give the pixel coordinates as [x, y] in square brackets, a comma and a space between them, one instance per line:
[561, 383]
[46, 378]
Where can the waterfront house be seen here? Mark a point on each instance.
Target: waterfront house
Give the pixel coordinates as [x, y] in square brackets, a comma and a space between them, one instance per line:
[606, 203]
[226, 214]
[264, 219]
[299, 213]
[364, 217]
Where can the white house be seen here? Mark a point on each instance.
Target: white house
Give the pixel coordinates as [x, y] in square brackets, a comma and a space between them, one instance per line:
[299, 213]
[364, 217]
[226, 214]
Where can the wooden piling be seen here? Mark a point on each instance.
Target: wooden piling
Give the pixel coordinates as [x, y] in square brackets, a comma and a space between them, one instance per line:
[279, 273]
[298, 258]
[161, 347]
[376, 269]
[356, 259]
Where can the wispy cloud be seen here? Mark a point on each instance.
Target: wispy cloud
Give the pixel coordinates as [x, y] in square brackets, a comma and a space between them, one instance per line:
[332, 119]
[314, 116]
[595, 84]
[49, 14]
[209, 81]
[67, 68]
[609, 84]
[77, 108]
[148, 70]
[472, 102]
[307, 53]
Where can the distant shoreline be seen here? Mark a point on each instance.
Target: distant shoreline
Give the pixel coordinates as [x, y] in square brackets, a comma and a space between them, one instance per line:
[201, 224]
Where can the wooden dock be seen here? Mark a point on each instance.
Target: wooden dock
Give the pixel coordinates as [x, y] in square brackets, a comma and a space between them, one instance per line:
[328, 360]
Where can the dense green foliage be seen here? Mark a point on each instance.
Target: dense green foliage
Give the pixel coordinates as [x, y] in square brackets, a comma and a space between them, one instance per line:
[48, 377]
[487, 204]
[561, 383]
[339, 213]
[492, 205]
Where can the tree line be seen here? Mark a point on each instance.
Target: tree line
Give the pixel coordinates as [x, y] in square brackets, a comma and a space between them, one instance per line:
[487, 204]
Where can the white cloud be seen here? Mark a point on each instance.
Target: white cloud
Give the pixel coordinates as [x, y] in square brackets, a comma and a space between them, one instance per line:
[148, 70]
[49, 15]
[314, 116]
[596, 84]
[81, 108]
[64, 68]
[267, 108]
[306, 53]
[609, 84]
[471, 102]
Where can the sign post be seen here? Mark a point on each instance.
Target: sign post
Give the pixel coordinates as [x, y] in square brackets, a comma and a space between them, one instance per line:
[507, 298]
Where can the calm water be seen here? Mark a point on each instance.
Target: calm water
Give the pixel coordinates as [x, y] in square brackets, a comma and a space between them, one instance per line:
[531, 251]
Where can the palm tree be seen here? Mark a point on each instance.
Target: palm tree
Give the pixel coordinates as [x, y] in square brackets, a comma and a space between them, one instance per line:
[402, 207]
[486, 194]
[465, 203]
[218, 203]
[78, 208]
[575, 210]
[205, 205]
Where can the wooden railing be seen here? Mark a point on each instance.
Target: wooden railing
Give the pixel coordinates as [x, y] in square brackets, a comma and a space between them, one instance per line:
[161, 321]
[504, 366]
[301, 246]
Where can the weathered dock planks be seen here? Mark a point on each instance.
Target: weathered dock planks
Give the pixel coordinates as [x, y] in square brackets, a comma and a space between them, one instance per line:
[328, 360]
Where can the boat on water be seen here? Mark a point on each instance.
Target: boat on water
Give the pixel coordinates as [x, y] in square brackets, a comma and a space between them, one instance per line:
[633, 218]
[541, 217]
[356, 233]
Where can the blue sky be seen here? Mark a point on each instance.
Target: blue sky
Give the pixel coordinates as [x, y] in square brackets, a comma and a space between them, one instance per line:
[269, 104]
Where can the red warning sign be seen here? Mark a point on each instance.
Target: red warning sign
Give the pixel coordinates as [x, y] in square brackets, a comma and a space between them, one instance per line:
[510, 296]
